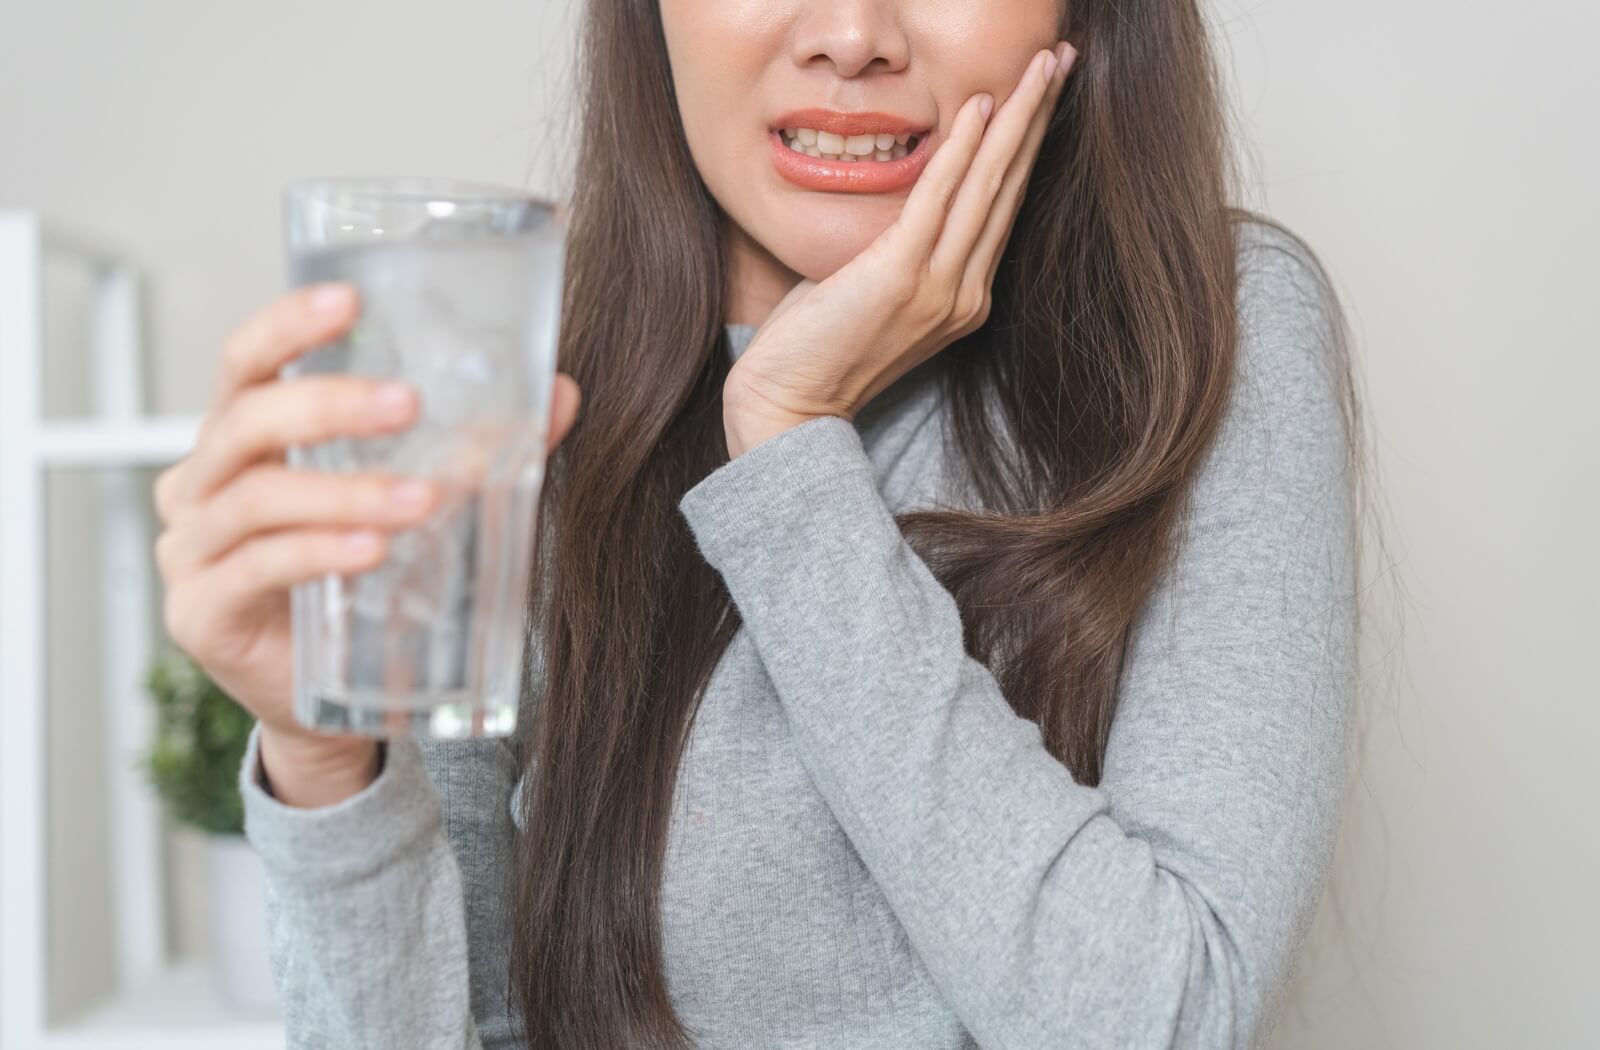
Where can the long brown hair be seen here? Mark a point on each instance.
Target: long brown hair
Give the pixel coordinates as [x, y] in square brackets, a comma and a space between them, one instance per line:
[1109, 351]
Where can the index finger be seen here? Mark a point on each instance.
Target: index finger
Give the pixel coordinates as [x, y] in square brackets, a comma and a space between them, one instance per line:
[284, 328]
[996, 233]
[922, 217]
[1003, 144]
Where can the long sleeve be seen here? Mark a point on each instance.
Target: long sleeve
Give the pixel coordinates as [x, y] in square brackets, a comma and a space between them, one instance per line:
[1166, 906]
[385, 910]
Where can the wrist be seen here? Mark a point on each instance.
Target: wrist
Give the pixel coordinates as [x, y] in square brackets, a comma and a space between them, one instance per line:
[748, 420]
[310, 770]
[745, 432]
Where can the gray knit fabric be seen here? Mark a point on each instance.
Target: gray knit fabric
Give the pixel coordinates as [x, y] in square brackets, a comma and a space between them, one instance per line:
[868, 848]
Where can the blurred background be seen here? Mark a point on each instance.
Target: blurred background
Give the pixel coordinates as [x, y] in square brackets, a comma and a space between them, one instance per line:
[1440, 159]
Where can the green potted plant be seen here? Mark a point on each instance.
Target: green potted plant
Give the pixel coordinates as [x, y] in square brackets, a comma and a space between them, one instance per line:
[193, 764]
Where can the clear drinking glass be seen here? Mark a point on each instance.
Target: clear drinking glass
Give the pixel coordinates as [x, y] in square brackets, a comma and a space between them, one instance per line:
[460, 289]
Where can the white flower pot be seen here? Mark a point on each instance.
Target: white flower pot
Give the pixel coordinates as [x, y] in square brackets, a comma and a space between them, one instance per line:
[239, 926]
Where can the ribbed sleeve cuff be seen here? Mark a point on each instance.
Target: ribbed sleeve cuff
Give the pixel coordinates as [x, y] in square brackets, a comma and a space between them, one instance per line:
[349, 840]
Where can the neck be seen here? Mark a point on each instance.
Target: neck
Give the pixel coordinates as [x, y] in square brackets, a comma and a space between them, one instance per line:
[757, 281]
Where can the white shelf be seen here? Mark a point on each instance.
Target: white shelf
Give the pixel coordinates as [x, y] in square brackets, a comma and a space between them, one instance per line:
[142, 441]
[177, 1011]
[156, 1003]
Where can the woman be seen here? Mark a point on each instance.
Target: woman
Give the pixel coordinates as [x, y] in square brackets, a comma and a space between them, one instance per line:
[949, 630]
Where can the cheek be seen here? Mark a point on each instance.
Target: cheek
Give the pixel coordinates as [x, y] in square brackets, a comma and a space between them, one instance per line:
[718, 50]
[970, 46]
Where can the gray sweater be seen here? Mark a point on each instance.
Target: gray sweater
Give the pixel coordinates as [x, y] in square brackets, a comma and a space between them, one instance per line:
[868, 848]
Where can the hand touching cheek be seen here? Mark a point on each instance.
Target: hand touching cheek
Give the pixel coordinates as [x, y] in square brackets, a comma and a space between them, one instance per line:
[829, 347]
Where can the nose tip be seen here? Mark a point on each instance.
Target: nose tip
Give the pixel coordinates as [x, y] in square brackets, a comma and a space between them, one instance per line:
[851, 39]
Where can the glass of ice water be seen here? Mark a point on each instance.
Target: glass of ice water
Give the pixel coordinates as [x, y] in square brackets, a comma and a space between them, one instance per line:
[460, 288]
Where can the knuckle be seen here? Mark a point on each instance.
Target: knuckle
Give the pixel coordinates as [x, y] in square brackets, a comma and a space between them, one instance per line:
[239, 356]
[994, 180]
[257, 559]
[320, 406]
[161, 494]
[246, 341]
[250, 503]
[235, 352]
[274, 324]
[970, 321]
[163, 553]
[221, 429]
[176, 618]
[255, 416]
[949, 185]
[930, 311]
[208, 427]
[169, 545]
[909, 285]
[917, 289]
[349, 403]
[270, 328]
[940, 300]
[974, 309]
[171, 622]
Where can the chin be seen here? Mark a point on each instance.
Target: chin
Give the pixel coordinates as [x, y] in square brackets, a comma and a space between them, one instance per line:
[816, 258]
[832, 235]
[812, 234]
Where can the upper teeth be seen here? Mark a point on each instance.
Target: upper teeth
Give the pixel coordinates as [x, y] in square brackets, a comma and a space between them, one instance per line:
[826, 145]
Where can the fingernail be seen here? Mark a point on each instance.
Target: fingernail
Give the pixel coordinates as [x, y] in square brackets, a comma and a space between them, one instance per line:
[410, 495]
[986, 105]
[392, 399]
[364, 542]
[331, 299]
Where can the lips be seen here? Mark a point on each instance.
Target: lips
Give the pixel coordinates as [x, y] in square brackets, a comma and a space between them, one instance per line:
[812, 173]
[840, 123]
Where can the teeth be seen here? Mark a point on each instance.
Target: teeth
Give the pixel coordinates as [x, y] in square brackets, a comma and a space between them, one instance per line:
[825, 145]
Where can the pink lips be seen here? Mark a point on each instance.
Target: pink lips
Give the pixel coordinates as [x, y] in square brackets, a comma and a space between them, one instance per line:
[841, 123]
[862, 176]
[837, 176]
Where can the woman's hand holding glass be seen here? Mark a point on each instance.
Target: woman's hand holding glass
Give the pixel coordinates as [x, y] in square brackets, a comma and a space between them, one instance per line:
[240, 528]
[828, 348]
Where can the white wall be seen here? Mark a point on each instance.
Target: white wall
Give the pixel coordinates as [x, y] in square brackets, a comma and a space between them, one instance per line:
[170, 126]
[1440, 157]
